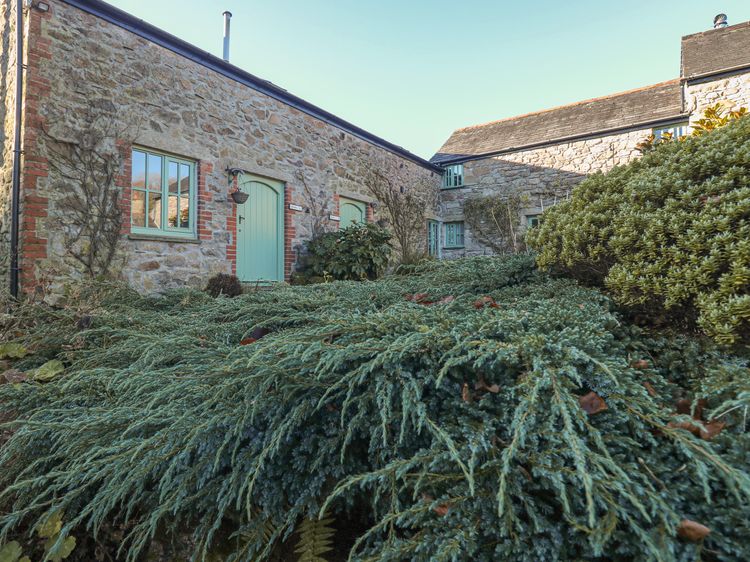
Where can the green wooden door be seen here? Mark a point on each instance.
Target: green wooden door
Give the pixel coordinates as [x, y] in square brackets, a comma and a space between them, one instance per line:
[260, 231]
[433, 238]
[351, 211]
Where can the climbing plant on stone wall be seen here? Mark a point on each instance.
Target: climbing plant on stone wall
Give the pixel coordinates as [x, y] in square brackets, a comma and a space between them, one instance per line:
[495, 221]
[85, 161]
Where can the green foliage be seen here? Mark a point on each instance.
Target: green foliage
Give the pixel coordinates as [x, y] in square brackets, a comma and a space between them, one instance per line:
[12, 351]
[436, 428]
[56, 547]
[357, 252]
[315, 539]
[12, 552]
[668, 234]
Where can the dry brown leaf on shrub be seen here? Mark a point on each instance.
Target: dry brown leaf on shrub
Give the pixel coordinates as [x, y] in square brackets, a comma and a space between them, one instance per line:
[650, 389]
[481, 384]
[441, 509]
[485, 301]
[13, 376]
[692, 531]
[711, 429]
[466, 393]
[592, 403]
[247, 341]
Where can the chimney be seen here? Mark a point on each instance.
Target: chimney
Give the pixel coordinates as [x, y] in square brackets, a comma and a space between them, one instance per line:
[720, 21]
[227, 16]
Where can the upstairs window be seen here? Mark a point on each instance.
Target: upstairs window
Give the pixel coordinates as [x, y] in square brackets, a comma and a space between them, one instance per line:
[671, 132]
[453, 176]
[532, 221]
[162, 194]
[454, 235]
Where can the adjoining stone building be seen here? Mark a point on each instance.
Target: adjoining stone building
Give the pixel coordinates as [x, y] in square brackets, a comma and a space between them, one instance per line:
[543, 155]
[110, 100]
[190, 129]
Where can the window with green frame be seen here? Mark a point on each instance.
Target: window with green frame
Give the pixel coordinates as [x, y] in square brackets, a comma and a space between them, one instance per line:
[453, 176]
[454, 234]
[532, 221]
[157, 178]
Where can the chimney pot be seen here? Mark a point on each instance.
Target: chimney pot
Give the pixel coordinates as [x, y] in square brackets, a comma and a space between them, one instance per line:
[227, 16]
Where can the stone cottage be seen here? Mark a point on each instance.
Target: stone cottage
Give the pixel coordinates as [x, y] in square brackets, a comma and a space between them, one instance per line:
[108, 98]
[209, 169]
[542, 155]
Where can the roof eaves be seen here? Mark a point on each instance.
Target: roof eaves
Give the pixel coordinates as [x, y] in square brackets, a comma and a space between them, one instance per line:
[181, 47]
[583, 136]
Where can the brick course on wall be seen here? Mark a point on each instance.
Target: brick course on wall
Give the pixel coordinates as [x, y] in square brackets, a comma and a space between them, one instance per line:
[167, 102]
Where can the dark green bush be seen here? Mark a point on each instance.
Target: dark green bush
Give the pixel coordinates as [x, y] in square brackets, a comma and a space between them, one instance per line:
[434, 416]
[357, 252]
[668, 233]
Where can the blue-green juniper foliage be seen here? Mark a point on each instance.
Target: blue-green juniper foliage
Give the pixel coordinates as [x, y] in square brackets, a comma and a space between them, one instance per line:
[444, 431]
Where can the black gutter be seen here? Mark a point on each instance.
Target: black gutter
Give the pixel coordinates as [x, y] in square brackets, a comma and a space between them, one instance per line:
[16, 179]
[460, 158]
[160, 37]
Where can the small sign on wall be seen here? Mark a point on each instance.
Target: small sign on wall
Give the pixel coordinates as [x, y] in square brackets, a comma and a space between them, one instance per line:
[334, 217]
[294, 207]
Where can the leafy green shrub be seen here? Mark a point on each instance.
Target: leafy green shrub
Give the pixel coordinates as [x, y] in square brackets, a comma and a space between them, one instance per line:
[359, 251]
[443, 415]
[667, 233]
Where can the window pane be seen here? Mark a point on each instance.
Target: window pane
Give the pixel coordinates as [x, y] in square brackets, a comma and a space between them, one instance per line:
[138, 170]
[172, 180]
[154, 210]
[184, 211]
[172, 211]
[184, 179]
[138, 208]
[154, 172]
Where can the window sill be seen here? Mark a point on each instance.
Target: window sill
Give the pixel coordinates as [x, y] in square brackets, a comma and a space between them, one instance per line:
[454, 247]
[443, 188]
[164, 238]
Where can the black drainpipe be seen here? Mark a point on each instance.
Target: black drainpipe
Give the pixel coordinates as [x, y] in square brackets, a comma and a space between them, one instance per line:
[16, 186]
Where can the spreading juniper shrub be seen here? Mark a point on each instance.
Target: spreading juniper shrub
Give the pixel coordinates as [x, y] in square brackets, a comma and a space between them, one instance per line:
[472, 410]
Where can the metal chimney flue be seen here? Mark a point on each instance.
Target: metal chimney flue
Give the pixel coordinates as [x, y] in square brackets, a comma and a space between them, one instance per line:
[227, 17]
[720, 21]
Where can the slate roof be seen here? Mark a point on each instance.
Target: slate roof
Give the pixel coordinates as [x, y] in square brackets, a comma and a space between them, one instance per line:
[716, 50]
[660, 102]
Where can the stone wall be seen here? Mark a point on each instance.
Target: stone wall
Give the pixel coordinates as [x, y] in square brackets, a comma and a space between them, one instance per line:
[542, 176]
[164, 101]
[733, 91]
[7, 116]
[546, 175]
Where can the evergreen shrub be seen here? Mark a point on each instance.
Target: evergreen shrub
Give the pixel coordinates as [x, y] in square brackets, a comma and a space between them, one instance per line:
[668, 234]
[357, 252]
[471, 410]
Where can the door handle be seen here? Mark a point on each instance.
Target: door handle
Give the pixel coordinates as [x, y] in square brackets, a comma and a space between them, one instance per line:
[241, 218]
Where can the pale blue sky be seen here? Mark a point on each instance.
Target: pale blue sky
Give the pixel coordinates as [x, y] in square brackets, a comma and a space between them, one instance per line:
[412, 71]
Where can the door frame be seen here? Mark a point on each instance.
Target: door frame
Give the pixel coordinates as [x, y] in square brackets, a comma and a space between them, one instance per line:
[280, 188]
